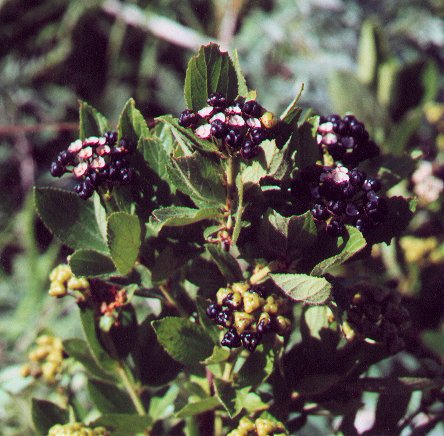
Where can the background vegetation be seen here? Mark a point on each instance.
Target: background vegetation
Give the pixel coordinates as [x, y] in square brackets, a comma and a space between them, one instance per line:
[377, 59]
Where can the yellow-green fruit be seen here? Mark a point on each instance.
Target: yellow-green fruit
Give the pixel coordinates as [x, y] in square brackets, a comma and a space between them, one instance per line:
[76, 429]
[235, 300]
[270, 306]
[238, 432]
[264, 427]
[61, 273]
[78, 284]
[246, 424]
[242, 321]
[283, 325]
[268, 120]
[264, 319]
[348, 331]
[39, 353]
[25, 370]
[57, 289]
[222, 293]
[240, 287]
[252, 301]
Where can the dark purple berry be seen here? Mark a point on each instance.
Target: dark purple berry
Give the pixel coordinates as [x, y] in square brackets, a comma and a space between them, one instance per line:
[258, 135]
[234, 139]
[216, 99]
[224, 318]
[362, 224]
[188, 118]
[348, 142]
[337, 151]
[263, 326]
[57, 170]
[371, 184]
[336, 207]
[65, 157]
[336, 228]
[233, 305]
[357, 177]
[320, 212]
[213, 310]
[231, 339]
[218, 129]
[349, 118]
[250, 340]
[111, 138]
[351, 210]
[126, 175]
[333, 118]
[252, 109]
[78, 187]
[249, 150]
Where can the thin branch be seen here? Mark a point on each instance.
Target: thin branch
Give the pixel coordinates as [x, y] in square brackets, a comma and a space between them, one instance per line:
[161, 27]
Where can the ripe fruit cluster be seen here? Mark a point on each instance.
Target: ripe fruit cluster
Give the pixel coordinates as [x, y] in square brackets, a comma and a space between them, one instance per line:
[248, 314]
[46, 360]
[95, 162]
[345, 139]
[376, 313]
[77, 429]
[340, 196]
[260, 427]
[240, 126]
[63, 282]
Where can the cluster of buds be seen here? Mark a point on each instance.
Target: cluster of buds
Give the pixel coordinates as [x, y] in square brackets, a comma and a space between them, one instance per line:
[109, 310]
[95, 162]
[239, 126]
[375, 313]
[64, 282]
[428, 181]
[77, 429]
[259, 427]
[248, 314]
[45, 360]
[345, 139]
[340, 196]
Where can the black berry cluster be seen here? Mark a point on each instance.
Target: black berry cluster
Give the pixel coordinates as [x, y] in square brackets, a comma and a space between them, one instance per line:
[248, 314]
[346, 139]
[239, 126]
[96, 161]
[340, 196]
[376, 313]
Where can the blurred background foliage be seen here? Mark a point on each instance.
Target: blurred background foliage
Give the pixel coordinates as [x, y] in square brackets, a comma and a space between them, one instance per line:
[381, 60]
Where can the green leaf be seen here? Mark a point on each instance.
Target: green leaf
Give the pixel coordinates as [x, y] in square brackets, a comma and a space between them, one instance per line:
[90, 263]
[242, 88]
[398, 385]
[109, 398]
[119, 423]
[210, 327]
[227, 264]
[402, 132]
[131, 125]
[211, 70]
[177, 216]
[301, 287]
[78, 350]
[92, 122]
[70, 218]
[46, 414]
[227, 396]
[219, 355]
[292, 113]
[163, 407]
[198, 407]
[315, 321]
[282, 236]
[185, 137]
[307, 148]
[434, 341]
[100, 355]
[155, 156]
[199, 177]
[124, 240]
[184, 341]
[355, 243]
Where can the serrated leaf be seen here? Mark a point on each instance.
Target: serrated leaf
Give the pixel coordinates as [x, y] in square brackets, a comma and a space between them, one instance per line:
[70, 218]
[301, 287]
[226, 263]
[109, 398]
[211, 70]
[155, 156]
[185, 137]
[242, 88]
[183, 340]
[90, 263]
[284, 236]
[177, 216]
[131, 125]
[200, 178]
[355, 243]
[124, 239]
[79, 350]
[46, 414]
[119, 423]
[91, 121]
[198, 407]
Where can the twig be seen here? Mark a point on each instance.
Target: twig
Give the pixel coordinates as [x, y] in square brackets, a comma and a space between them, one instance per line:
[159, 26]
[130, 388]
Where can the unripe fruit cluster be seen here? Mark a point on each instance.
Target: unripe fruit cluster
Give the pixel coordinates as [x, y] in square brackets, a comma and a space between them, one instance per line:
[345, 139]
[340, 196]
[95, 162]
[63, 281]
[239, 126]
[376, 313]
[46, 360]
[248, 314]
[77, 429]
[260, 427]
